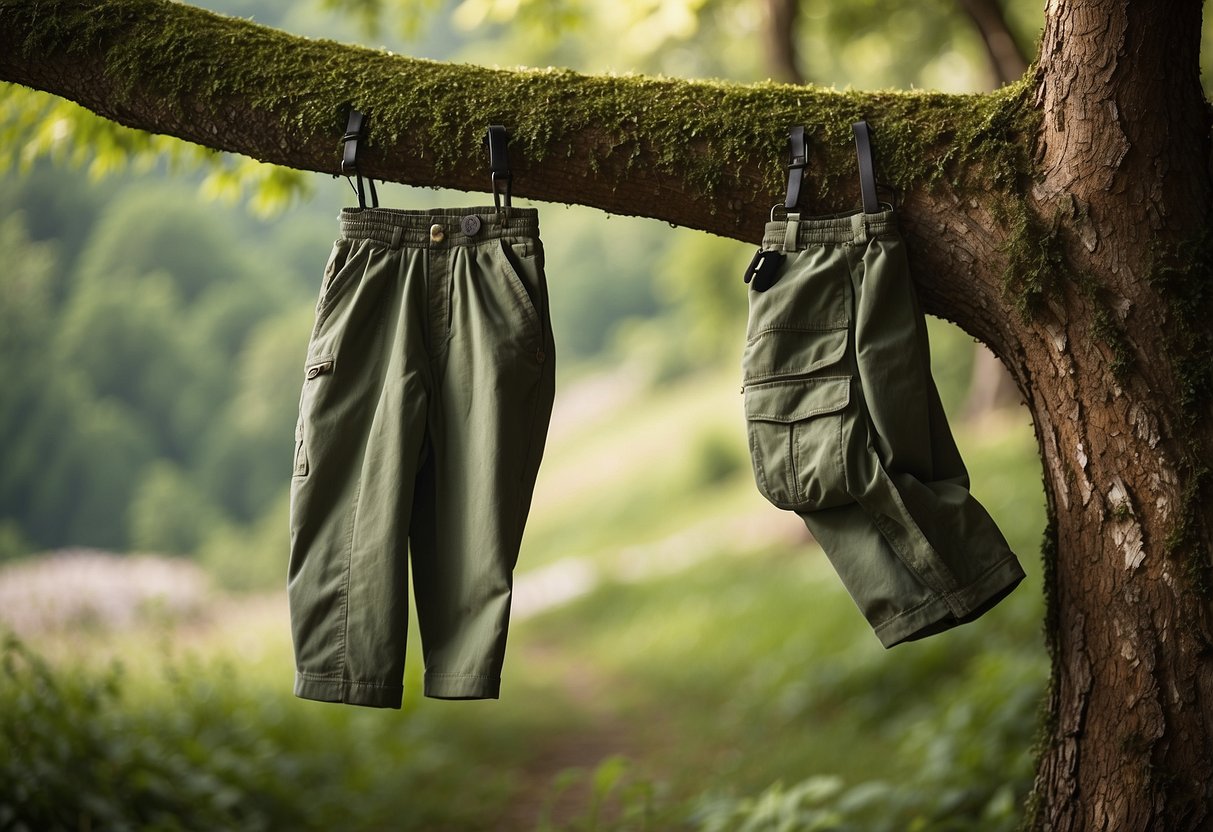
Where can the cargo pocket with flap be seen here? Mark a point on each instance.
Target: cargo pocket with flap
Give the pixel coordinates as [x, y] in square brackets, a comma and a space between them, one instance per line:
[796, 443]
[314, 370]
[801, 325]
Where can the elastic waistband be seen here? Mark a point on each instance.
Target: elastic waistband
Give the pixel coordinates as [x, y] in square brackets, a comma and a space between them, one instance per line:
[855, 228]
[438, 227]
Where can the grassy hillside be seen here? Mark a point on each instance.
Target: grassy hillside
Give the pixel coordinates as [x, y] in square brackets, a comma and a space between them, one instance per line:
[704, 670]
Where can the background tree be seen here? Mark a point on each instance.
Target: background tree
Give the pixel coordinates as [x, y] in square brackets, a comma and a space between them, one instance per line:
[1063, 221]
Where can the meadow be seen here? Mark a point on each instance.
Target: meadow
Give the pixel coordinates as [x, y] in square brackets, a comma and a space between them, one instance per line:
[682, 657]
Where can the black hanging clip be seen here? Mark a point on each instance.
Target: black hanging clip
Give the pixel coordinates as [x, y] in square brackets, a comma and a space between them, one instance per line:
[763, 270]
[867, 169]
[798, 160]
[497, 141]
[349, 158]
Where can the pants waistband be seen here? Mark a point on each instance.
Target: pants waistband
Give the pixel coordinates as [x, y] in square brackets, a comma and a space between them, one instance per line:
[854, 228]
[438, 227]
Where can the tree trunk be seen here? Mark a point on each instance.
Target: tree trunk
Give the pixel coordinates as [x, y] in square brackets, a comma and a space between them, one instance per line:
[1007, 62]
[991, 388]
[1086, 267]
[783, 57]
[1124, 149]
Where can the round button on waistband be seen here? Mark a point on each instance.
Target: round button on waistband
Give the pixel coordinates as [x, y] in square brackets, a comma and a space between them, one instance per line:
[437, 233]
[470, 225]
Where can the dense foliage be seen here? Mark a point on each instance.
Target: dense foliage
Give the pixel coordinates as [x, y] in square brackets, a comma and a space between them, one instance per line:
[152, 344]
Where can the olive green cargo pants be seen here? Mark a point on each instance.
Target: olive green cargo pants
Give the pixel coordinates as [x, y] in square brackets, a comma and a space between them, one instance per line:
[424, 411]
[846, 429]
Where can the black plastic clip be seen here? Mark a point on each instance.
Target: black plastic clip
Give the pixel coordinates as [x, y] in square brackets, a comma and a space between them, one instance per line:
[798, 160]
[763, 271]
[497, 140]
[349, 158]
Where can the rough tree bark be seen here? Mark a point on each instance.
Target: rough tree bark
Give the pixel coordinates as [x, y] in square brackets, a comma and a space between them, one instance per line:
[1124, 150]
[1085, 265]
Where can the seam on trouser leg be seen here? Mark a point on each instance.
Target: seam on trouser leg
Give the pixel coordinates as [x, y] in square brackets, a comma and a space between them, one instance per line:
[925, 569]
[342, 653]
[793, 483]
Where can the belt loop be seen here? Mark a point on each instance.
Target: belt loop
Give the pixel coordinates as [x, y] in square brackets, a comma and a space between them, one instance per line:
[397, 234]
[859, 228]
[791, 232]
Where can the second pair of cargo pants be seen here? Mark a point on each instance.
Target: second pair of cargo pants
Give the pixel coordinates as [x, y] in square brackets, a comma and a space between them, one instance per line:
[428, 388]
[846, 429]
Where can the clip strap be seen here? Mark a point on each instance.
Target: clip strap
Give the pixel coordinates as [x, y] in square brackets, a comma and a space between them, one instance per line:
[353, 132]
[798, 159]
[349, 158]
[497, 140]
[867, 170]
[370, 183]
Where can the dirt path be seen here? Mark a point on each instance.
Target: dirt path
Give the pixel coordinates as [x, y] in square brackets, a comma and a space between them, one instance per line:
[601, 733]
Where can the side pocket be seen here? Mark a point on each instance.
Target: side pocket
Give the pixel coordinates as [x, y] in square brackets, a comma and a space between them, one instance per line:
[523, 274]
[313, 370]
[338, 274]
[795, 434]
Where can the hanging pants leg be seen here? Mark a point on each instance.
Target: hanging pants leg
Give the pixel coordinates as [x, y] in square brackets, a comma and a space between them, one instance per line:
[428, 389]
[846, 429]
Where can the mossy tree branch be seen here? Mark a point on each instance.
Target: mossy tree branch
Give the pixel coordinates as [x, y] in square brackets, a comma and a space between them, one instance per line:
[697, 154]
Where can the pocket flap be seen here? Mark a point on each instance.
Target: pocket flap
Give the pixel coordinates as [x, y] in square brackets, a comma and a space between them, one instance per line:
[781, 352]
[796, 399]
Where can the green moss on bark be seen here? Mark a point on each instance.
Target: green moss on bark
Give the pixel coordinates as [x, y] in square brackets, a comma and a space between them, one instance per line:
[703, 130]
[1048, 717]
[1183, 279]
[1035, 258]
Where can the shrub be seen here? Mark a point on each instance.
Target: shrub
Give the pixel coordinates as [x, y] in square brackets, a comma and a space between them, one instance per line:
[71, 758]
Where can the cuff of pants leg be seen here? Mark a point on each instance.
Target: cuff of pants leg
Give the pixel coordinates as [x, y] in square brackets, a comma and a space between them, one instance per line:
[351, 693]
[461, 686]
[964, 605]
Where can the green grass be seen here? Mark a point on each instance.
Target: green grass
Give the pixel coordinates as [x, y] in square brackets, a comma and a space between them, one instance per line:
[738, 691]
[633, 469]
[744, 672]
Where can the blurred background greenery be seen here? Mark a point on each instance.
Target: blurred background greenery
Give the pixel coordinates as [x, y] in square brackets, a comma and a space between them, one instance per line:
[682, 654]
